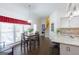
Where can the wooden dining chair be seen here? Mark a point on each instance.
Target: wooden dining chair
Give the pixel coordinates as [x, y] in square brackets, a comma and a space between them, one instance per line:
[24, 43]
[37, 39]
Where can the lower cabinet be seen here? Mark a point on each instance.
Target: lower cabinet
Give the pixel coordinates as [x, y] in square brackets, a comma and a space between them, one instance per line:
[66, 49]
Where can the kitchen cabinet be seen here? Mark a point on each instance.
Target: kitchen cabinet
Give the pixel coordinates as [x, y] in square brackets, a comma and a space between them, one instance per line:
[67, 22]
[66, 49]
[64, 23]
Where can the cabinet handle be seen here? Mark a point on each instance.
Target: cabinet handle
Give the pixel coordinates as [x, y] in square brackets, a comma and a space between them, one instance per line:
[68, 49]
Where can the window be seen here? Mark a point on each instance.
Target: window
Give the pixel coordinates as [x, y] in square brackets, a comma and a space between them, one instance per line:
[52, 27]
[35, 28]
[26, 27]
[18, 32]
[11, 33]
[7, 33]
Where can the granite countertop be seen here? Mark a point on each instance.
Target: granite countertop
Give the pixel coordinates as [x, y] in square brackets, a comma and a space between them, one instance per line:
[65, 39]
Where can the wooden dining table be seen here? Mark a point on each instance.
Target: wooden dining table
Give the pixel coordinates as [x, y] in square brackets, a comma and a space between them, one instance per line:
[28, 39]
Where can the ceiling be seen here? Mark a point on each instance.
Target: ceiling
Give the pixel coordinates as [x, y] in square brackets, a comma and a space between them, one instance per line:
[45, 9]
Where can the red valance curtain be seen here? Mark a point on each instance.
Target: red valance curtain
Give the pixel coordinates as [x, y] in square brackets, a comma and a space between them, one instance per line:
[12, 20]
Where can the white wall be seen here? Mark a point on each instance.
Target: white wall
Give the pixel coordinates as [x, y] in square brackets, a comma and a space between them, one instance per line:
[55, 18]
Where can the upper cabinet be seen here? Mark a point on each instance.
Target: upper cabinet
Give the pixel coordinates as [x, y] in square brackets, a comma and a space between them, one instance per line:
[67, 22]
[64, 22]
[75, 21]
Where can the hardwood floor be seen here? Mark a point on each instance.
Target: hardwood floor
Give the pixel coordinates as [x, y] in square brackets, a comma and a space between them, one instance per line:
[46, 48]
[43, 49]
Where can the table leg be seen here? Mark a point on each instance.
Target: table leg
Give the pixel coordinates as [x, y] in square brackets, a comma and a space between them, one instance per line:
[12, 50]
[30, 46]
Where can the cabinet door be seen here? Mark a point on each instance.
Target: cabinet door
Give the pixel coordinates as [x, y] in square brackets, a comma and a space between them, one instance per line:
[74, 50]
[74, 22]
[69, 50]
[64, 49]
[65, 23]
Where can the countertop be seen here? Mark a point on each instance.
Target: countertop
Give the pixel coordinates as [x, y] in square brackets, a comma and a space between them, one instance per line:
[65, 39]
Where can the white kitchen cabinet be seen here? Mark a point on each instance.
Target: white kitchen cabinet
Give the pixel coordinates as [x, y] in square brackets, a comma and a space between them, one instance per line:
[69, 22]
[66, 49]
[64, 23]
[74, 22]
